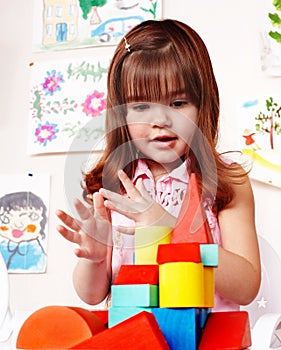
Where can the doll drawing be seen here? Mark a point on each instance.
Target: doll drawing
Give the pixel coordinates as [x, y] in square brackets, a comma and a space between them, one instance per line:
[23, 218]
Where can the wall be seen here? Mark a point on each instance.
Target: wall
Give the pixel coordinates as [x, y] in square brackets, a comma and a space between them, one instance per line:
[230, 30]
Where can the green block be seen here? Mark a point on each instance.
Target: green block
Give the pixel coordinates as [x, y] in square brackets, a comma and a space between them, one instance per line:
[143, 295]
[209, 254]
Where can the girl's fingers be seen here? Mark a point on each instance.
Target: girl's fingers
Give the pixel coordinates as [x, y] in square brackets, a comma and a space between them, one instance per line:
[71, 236]
[130, 188]
[141, 188]
[126, 230]
[68, 220]
[99, 208]
[82, 210]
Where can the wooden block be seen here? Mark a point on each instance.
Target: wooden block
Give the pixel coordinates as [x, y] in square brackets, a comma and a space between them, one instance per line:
[203, 315]
[119, 314]
[58, 327]
[226, 330]
[178, 252]
[147, 240]
[140, 332]
[181, 284]
[144, 295]
[209, 287]
[138, 274]
[192, 225]
[102, 315]
[209, 254]
[179, 326]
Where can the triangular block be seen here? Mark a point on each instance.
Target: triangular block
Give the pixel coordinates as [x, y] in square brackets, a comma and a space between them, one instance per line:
[140, 332]
[192, 225]
[226, 330]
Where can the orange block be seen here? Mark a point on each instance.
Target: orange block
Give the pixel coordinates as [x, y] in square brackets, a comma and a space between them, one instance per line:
[138, 274]
[140, 332]
[226, 330]
[192, 225]
[58, 327]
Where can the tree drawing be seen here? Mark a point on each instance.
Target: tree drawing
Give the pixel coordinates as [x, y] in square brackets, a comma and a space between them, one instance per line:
[269, 123]
[88, 6]
[276, 21]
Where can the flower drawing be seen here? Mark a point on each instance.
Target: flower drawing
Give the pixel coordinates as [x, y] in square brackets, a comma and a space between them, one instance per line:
[46, 132]
[94, 104]
[52, 82]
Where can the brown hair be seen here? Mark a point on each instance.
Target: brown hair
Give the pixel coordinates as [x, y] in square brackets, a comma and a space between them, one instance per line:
[165, 56]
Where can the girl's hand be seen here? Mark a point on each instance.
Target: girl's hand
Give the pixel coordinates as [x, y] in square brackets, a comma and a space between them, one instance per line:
[138, 205]
[92, 233]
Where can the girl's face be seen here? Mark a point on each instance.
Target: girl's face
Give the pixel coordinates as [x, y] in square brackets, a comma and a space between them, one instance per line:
[20, 225]
[163, 132]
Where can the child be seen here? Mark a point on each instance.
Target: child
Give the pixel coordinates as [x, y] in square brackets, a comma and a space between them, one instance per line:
[161, 125]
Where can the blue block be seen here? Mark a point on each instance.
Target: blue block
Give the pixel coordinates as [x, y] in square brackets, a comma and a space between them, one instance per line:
[209, 254]
[119, 314]
[143, 295]
[203, 314]
[179, 326]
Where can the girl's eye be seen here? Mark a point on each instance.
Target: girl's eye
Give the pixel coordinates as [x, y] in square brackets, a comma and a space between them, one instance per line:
[179, 103]
[141, 107]
[33, 216]
[4, 219]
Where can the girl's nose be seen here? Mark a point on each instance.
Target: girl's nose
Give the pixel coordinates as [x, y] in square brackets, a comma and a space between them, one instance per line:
[17, 222]
[161, 117]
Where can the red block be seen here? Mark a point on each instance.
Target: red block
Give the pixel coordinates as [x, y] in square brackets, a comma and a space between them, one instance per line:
[192, 225]
[102, 315]
[140, 332]
[177, 252]
[138, 274]
[226, 330]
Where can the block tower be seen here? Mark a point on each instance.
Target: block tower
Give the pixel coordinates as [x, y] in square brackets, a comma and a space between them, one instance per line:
[165, 299]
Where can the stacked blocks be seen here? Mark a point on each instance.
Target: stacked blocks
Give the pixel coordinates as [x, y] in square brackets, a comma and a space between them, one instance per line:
[181, 262]
[164, 300]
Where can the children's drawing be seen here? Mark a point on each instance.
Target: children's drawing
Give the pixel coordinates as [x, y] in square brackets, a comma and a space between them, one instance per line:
[67, 101]
[271, 37]
[23, 222]
[260, 137]
[66, 24]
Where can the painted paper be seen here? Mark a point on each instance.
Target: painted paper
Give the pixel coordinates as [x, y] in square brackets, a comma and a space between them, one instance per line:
[260, 136]
[270, 37]
[68, 24]
[24, 202]
[67, 101]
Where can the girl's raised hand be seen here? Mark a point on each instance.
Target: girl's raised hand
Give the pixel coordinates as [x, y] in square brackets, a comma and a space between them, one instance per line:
[92, 233]
[138, 205]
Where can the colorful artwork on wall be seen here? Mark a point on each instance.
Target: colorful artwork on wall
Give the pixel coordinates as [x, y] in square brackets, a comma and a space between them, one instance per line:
[260, 136]
[24, 201]
[270, 37]
[68, 24]
[67, 101]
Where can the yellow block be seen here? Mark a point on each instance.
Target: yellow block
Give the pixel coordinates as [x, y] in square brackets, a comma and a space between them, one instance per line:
[147, 239]
[209, 286]
[181, 284]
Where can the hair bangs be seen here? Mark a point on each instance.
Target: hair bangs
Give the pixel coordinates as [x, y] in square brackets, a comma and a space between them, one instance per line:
[144, 81]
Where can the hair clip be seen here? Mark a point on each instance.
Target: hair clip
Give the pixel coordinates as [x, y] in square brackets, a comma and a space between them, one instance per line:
[127, 45]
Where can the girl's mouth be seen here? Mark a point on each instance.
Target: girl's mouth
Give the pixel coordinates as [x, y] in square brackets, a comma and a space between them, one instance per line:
[165, 138]
[17, 233]
[165, 141]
